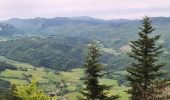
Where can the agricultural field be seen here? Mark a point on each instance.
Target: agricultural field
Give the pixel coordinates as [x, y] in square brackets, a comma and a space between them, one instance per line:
[64, 83]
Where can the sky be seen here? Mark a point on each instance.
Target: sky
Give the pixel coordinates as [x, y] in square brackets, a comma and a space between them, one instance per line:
[103, 9]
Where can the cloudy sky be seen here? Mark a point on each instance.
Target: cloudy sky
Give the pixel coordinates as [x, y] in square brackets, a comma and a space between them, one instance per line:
[104, 9]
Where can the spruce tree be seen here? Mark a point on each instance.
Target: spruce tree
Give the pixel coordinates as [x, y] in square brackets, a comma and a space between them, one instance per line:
[93, 72]
[145, 75]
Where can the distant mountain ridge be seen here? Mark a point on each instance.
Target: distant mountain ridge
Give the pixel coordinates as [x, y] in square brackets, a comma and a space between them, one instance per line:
[105, 30]
[8, 29]
[39, 25]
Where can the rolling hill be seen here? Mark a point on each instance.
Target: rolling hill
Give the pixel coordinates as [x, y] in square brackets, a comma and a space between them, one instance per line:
[56, 52]
[113, 33]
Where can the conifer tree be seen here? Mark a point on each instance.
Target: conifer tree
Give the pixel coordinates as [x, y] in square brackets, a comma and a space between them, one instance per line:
[93, 72]
[145, 75]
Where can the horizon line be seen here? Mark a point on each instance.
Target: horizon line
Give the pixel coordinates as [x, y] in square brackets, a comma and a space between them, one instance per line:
[84, 17]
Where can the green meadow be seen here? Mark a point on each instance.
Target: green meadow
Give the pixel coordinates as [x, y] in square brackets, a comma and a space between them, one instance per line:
[51, 80]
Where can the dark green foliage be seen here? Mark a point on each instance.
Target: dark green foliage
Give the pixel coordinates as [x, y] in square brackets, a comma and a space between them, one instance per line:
[12, 93]
[3, 94]
[7, 91]
[4, 89]
[4, 84]
[4, 65]
[56, 52]
[93, 72]
[145, 72]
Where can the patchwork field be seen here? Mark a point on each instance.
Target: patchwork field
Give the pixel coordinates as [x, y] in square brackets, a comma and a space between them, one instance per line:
[52, 81]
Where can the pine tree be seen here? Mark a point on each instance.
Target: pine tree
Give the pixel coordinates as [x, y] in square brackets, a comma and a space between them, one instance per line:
[93, 71]
[145, 73]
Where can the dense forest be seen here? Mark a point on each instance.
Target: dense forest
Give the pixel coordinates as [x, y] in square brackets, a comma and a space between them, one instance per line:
[85, 59]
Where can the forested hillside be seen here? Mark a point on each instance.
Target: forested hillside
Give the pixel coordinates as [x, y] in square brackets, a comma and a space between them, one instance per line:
[56, 52]
[66, 40]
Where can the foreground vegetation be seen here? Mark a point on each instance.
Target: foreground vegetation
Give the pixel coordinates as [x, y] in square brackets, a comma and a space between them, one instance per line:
[145, 74]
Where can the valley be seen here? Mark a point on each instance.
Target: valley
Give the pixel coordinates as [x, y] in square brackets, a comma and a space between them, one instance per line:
[51, 81]
[53, 50]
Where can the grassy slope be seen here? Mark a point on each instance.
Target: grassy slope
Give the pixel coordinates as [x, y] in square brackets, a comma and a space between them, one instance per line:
[50, 76]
